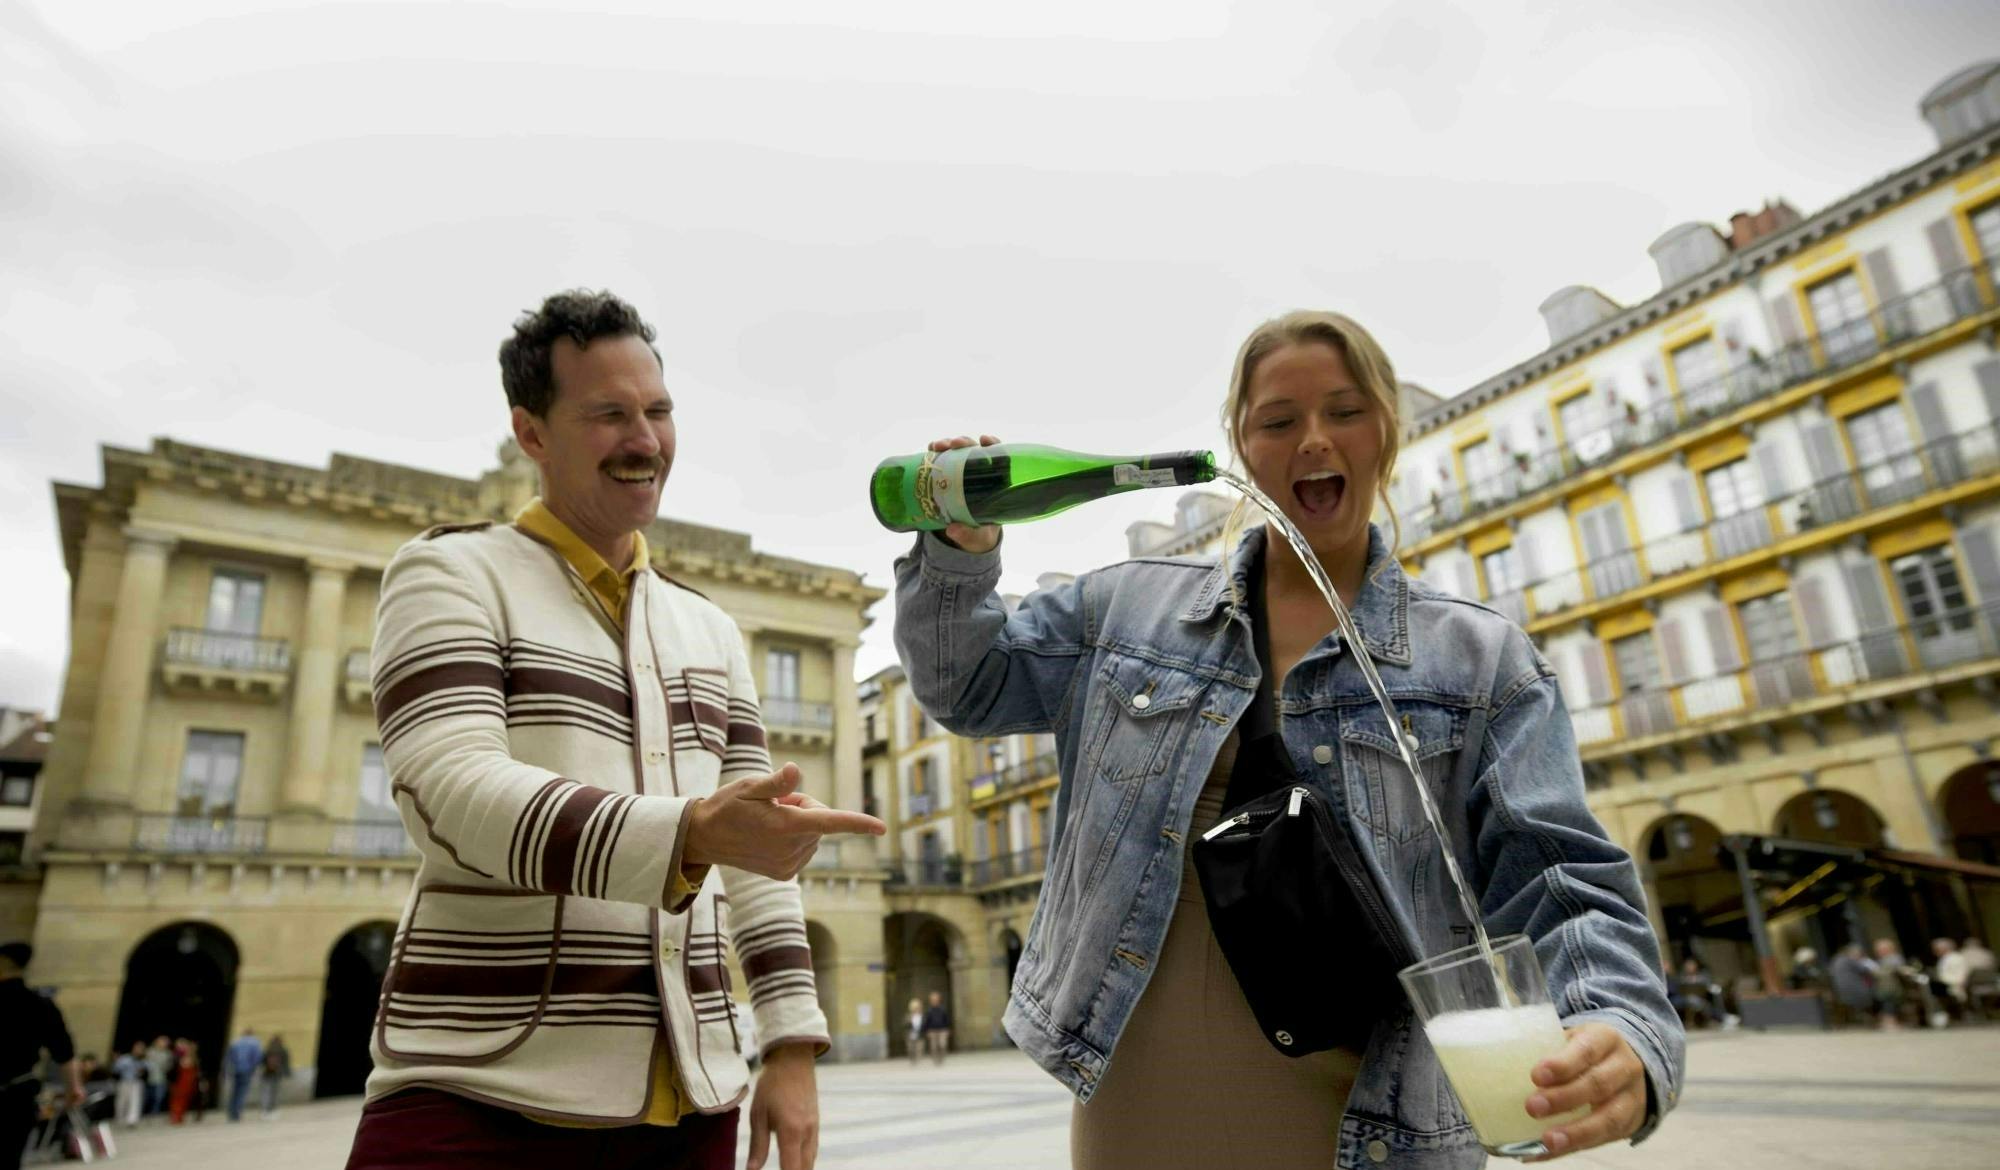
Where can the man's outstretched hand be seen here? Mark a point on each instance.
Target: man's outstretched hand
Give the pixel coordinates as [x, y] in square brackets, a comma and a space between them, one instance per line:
[765, 825]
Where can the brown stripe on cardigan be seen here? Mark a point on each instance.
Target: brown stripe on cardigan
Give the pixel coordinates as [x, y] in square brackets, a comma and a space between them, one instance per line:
[558, 857]
[472, 982]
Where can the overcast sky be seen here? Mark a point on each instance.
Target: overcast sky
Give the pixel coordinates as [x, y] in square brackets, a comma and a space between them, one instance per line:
[289, 228]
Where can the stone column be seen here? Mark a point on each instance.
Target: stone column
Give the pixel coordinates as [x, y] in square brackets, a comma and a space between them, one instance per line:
[315, 687]
[126, 679]
[859, 852]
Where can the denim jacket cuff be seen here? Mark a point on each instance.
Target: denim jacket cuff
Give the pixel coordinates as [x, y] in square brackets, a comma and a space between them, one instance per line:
[1662, 1090]
[942, 558]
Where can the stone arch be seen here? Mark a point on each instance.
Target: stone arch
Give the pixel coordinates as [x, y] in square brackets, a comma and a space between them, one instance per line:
[1969, 803]
[355, 965]
[180, 981]
[1694, 894]
[922, 951]
[1830, 816]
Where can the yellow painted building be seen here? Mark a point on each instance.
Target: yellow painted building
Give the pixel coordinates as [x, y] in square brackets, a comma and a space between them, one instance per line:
[1754, 524]
[216, 843]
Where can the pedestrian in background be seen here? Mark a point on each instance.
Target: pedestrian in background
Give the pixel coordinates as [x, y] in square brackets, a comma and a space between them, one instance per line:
[130, 1069]
[159, 1073]
[277, 1070]
[937, 1028]
[241, 1062]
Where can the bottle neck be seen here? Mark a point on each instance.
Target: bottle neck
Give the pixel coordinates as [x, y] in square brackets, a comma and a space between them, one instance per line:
[1188, 467]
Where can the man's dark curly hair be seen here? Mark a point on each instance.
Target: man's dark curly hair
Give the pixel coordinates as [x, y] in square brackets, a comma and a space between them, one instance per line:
[580, 314]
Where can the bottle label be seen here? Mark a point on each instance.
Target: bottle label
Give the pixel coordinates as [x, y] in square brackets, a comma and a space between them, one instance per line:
[941, 487]
[1129, 474]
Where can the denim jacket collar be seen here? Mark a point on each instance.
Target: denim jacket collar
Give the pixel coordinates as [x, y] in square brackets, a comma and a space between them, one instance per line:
[1382, 612]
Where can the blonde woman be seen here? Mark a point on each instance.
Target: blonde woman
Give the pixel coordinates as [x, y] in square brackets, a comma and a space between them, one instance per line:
[1158, 676]
[916, 1030]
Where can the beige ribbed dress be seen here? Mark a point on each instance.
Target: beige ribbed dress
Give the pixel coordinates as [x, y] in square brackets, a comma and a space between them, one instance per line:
[1193, 1081]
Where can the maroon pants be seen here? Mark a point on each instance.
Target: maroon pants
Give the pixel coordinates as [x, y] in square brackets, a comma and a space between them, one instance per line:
[422, 1129]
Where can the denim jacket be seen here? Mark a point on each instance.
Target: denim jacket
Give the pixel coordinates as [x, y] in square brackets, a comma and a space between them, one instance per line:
[1140, 671]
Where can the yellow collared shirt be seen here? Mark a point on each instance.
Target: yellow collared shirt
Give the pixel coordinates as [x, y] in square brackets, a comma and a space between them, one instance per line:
[611, 588]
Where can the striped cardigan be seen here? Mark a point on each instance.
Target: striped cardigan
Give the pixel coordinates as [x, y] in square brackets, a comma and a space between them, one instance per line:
[545, 762]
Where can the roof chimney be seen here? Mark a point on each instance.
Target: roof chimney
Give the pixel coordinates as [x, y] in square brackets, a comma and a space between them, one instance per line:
[1684, 251]
[1570, 311]
[1746, 227]
[1963, 104]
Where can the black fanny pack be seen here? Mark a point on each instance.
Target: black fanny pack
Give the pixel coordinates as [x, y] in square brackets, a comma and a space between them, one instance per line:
[1296, 916]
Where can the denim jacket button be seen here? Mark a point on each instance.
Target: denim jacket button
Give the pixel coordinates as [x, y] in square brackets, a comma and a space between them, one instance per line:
[1142, 701]
[1322, 754]
[1378, 1151]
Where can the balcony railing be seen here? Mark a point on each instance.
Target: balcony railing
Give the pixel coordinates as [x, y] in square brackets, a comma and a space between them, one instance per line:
[1894, 479]
[927, 873]
[371, 839]
[920, 804]
[357, 683]
[169, 833]
[1008, 866]
[1961, 294]
[1939, 641]
[220, 650]
[1013, 776]
[797, 714]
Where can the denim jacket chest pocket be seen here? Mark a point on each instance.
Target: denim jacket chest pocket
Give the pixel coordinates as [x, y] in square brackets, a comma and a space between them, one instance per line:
[1138, 716]
[1378, 785]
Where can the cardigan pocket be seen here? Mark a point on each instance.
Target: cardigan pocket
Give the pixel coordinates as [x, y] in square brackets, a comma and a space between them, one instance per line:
[698, 703]
[470, 977]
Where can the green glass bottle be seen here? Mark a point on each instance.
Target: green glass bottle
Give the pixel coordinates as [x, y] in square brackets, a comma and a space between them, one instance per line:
[1011, 482]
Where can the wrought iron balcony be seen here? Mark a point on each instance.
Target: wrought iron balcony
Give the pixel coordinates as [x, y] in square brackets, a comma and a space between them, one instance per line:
[927, 873]
[1026, 863]
[988, 785]
[1897, 478]
[1913, 652]
[1752, 377]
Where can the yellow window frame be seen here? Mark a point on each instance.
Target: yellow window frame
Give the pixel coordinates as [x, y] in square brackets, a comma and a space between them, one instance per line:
[1459, 446]
[1834, 271]
[1561, 398]
[1962, 214]
[1676, 344]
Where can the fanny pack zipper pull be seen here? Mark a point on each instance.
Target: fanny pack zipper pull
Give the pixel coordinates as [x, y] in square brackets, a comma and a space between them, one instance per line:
[1225, 826]
[1298, 799]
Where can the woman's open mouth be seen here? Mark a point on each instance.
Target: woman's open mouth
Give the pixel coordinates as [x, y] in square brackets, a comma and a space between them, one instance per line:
[1320, 493]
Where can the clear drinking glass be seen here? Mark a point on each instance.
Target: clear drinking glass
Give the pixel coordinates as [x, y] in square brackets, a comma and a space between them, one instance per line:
[1488, 1048]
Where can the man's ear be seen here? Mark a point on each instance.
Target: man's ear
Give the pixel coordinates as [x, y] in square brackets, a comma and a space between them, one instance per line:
[528, 433]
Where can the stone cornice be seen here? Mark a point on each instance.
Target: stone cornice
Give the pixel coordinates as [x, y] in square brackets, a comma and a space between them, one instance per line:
[353, 487]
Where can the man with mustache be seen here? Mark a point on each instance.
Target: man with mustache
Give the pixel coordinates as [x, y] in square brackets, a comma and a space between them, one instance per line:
[575, 747]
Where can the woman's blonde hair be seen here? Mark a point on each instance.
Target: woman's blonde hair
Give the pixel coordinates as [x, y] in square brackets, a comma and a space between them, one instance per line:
[1371, 369]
